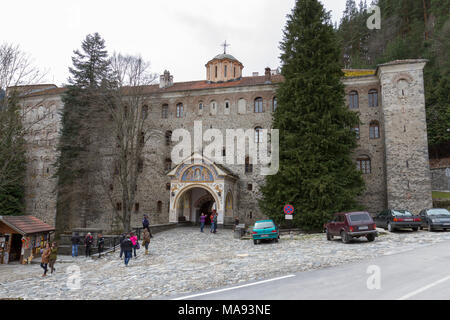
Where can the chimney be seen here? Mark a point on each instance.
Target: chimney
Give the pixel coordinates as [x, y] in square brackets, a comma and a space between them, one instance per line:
[165, 80]
[268, 75]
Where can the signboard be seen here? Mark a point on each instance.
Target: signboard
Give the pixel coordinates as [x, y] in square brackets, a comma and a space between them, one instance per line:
[288, 209]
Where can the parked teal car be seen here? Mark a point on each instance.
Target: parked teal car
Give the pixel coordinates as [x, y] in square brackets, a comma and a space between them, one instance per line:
[265, 230]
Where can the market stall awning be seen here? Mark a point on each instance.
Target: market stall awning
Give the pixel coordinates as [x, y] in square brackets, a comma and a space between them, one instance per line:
[26, 224]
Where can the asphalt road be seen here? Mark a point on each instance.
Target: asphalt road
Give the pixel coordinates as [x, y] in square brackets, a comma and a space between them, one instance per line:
[422, 274]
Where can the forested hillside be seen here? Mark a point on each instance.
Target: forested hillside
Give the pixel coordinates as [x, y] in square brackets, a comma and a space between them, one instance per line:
[410, 29]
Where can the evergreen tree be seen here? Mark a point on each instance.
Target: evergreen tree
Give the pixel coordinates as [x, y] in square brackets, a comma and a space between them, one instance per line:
[88, 75]
[12, 157]
[317, 174]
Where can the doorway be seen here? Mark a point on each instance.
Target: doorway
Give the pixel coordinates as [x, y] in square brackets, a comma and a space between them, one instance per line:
[206, 208]
[16, 247]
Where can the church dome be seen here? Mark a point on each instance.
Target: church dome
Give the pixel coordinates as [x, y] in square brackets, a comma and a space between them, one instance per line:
[224, 67]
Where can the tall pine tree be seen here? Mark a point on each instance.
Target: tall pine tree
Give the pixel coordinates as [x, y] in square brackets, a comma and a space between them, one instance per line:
[89, 73]
[317, 174]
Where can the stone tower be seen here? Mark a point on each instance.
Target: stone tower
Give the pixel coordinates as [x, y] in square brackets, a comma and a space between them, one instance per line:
[408, 178]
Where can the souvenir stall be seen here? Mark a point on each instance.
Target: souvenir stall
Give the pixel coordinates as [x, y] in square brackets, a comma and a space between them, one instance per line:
[22, 238]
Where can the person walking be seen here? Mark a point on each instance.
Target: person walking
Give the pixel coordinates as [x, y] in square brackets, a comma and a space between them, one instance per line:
[100, 244]
[146, 225]
[88, 241]
[212, 222]
[127, 247]
[146, 240]
[215, 216]
[45, 258]
[123, 236]
[202, 221]
[75, 242]
[134, 241]
[53, 256]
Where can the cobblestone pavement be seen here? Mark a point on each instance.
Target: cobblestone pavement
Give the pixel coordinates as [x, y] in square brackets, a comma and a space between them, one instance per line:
[184, 260]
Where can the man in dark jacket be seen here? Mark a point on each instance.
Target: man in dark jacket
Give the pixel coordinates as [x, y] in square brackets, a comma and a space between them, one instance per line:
[75, 242]
[127, 247]
[146, 225]
[100, 243]
[88, 241]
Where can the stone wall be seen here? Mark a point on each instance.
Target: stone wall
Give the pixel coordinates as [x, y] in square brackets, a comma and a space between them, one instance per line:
[440, 179]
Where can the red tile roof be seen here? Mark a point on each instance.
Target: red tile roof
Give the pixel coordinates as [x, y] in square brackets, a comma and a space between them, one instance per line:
[26, 224]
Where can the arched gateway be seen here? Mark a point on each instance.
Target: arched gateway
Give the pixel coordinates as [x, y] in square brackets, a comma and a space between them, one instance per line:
[199, 185]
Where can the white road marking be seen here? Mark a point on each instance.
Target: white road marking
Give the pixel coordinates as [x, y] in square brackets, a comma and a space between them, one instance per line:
[405, 297]
[233, 288]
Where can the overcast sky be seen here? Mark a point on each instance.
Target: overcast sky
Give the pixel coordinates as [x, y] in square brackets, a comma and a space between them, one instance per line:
[177, 35]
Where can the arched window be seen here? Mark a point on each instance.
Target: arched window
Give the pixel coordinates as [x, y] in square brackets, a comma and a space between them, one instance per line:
[180, 110]
[248, 165]
[216, 71]
[353, 100]
[165, 111]
[225, 71]
[373, 98]
[168, 138]
[363, 164]
[374, 131]
[200, 106]
[258, 134]
[258, 105]
[159, 207]
[274, 104]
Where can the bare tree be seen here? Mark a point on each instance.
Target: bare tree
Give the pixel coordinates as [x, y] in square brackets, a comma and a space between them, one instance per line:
[17, 73]
[128, 105]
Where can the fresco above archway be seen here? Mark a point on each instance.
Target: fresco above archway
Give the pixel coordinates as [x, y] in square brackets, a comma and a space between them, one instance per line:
[197, 174]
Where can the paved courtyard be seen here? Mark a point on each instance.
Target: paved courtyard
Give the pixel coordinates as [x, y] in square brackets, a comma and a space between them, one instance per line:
[184, 260]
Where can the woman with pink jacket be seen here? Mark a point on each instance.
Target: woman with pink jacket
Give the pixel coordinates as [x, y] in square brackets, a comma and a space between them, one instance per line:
[134, 240]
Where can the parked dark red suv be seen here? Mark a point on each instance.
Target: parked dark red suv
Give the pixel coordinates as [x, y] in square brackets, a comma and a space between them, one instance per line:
[349, 225]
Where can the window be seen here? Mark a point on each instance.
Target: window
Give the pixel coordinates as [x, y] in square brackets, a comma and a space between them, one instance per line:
[258, 135]
[248, 166]
[136, 207]
[374, 130]
[119, 206]
[225, 71]
[258, 105]
[142, 138]
[140, 166]
[234, 72]
[168, 137]
[274, 104]
[180, 110]
[165, 111]
[168, 164]
[200, 106]
[353, 100]
[373, 98]
[159, 207]
[363, 164]
[224, 152]
[144, 112]
[227, 105]
[216, 71]
[250, 187]
[356, 131]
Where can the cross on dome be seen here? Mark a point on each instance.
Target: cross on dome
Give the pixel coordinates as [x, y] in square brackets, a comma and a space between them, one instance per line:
[225, 45]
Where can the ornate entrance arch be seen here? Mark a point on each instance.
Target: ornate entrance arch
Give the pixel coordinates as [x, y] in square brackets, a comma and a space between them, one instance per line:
[195, 181]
